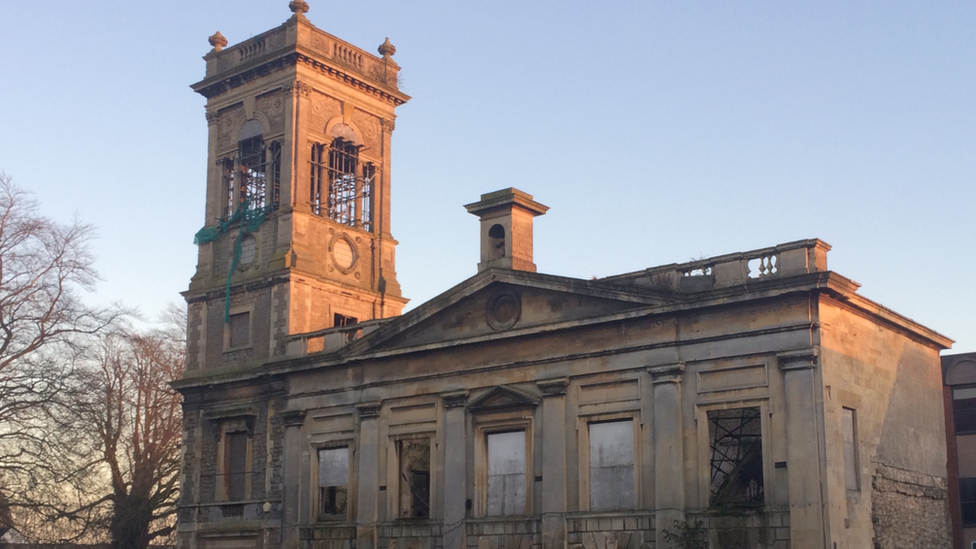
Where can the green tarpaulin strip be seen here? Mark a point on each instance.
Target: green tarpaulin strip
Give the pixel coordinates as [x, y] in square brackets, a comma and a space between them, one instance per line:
[250, 220]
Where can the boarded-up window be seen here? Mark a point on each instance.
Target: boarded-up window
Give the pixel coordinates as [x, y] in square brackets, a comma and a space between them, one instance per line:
[240, 330]
[506, 473]
[414, 458]
[736, 456]
[333, 481]
[235, 468]
[612, 465]
[850, 449]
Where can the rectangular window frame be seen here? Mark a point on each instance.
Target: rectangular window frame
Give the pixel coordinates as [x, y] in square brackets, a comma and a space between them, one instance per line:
[394, 482]
[704, 445]
[249, 310]
[509, 422]
[583, 428]
[229, 429]
[351, 482]
[852, 461]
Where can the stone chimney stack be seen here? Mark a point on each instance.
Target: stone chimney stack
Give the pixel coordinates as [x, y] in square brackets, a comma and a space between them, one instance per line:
[506, 229]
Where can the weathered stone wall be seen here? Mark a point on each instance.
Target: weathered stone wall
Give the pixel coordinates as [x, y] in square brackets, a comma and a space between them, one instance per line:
[608, 532]
[910, 510]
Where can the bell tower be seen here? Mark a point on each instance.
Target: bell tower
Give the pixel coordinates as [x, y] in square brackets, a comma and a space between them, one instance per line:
[296, 236]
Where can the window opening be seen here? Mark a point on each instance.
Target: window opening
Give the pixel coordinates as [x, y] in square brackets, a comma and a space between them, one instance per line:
[342, 186]
[964, 410]
[240, 330]
[343, 320]
[506, 473]
[736, 456]
[967, 500]
[235, 469]
[850, 449]
[611, 465]
[496, 242]
[414, 458]
[333, 480]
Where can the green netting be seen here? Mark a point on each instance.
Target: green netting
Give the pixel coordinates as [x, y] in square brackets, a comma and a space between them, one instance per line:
[249, 219]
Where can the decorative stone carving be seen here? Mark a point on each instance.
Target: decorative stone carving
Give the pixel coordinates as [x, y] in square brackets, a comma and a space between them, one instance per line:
[386, 49]
[217, 41]
[368, 410]
[387, 125]
[298, 7]
[212, 118]
[298, 88]
[553, 387]
[455, 399]
[504, 309]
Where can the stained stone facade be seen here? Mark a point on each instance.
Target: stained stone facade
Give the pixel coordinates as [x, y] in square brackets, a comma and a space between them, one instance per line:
[755, 399]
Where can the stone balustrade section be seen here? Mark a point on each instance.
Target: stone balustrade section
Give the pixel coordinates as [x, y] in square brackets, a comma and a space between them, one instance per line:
[784, 260]
[308, 39]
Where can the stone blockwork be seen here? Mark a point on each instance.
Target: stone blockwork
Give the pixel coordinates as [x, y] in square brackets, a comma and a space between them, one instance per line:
[910, 510]
[630, 531]
[505, 534]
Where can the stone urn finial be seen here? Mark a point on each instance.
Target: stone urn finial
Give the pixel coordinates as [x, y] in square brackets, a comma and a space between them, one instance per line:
[298, 7]
[217, 41]
[387, 49]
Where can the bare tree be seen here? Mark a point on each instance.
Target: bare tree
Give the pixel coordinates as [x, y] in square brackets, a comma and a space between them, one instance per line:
[44, 324]
[118, 433]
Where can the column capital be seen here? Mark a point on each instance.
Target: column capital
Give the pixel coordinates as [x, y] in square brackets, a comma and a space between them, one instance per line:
[553, 387]
[798, 359]
[369, 410]
[294, 418]
[455, 399]
[298, 88]
[667, 373]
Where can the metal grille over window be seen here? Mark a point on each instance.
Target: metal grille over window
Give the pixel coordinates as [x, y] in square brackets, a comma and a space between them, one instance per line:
[611, 465]
[333, 481]
[342, 186]
[506, 473]
[254, 177]
[414, 478]
[736, 457]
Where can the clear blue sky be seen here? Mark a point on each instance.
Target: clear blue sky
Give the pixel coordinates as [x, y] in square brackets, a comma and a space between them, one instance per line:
[658, 132]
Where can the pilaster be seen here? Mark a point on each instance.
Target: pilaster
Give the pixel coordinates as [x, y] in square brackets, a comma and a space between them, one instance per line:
[292, 497]
[803, 445]
[367, 509]
[553, 462]
[669, 482]
[455, 484]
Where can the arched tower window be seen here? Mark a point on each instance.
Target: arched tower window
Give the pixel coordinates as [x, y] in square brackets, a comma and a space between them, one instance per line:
[254, 177]
[496, 242]
[342, 185]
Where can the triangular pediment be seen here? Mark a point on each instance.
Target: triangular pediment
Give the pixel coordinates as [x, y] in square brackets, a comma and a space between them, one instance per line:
[502, 397]
[503, 303]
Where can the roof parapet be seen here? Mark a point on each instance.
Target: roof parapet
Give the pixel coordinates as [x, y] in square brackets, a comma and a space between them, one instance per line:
[789, 259]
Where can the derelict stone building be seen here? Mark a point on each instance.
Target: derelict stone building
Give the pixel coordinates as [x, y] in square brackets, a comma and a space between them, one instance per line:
[755, 392]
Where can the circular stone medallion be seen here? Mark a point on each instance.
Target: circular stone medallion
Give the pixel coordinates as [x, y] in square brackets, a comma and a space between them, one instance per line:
[343, 253]
[504, 309]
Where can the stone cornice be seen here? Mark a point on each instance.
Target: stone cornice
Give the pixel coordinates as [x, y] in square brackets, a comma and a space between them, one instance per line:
[222, 83]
